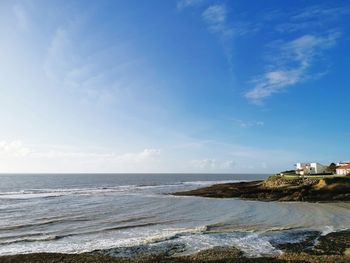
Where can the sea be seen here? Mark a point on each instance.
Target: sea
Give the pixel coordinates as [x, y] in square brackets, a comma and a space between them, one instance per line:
[126, 214]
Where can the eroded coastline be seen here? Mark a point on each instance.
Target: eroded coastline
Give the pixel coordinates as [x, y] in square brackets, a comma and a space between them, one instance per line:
[278, 188]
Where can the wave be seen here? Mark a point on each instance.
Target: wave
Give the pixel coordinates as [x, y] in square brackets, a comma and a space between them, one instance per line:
[35, 237]
[327, 230]
[212, 182]
[226, 228]
[43, 223]
[44, 193]
[51, 193]
[188, 240]
[193, 241]
[78, 244]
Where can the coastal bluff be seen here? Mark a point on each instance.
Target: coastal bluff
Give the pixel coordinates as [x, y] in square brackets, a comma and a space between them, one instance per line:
[281, 188]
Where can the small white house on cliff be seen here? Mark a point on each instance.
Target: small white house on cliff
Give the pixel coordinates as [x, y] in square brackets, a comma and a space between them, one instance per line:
[343, 163]
[343, 169]
[310, 168]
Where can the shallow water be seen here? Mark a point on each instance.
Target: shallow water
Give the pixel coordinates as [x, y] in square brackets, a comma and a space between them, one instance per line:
[77, 213]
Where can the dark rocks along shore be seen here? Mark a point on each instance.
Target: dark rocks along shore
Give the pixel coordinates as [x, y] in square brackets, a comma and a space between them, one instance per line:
[331, 248]
[279, 188]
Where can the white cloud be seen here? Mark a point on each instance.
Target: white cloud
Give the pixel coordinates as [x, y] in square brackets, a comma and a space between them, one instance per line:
[314, 18]
[319, 11]
[108, 157]
[145, 155]
[15, 157]
[13, 149]
[273, 82]
[216, 156]
[215, 14]
[248, 124]
[216, 18]
[188, 3]
[224, 157]
[138, 156]
[290, 65]
[212, 165]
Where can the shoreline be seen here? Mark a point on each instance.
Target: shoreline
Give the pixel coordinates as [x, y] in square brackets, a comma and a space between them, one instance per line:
[331, 248]
[278, 188]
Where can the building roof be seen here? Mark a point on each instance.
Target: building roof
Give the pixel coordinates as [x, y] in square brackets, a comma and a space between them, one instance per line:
[344, 167]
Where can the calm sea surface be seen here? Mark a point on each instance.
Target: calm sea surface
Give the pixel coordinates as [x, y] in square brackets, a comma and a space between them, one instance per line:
[127, 212]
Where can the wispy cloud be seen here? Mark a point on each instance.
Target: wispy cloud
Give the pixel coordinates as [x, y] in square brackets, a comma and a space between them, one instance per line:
[13, 149]
[293, 62]
[36, 158]
[207, 156]
[96, 75]
[107, 157]
[212, 165]
[321, 11]
[216, 18]
[248, 124]
[316, 17]
[235, 158]
[21, 17]
[220, 23]
[290, 64]
[181, 4]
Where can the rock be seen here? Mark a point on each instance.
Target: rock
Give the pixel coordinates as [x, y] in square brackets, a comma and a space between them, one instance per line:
[331, 248]
[278, 188]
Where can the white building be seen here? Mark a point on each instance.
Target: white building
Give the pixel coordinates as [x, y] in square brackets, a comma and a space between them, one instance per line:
[310, 168]
[343, 163]
[343, 169]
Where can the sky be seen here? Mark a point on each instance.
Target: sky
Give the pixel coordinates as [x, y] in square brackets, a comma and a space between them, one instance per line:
[173, 86]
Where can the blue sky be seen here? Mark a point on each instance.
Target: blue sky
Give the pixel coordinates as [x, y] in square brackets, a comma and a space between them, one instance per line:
[173, 86]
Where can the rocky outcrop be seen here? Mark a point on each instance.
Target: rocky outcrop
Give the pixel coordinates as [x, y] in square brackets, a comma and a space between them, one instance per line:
[279, 188]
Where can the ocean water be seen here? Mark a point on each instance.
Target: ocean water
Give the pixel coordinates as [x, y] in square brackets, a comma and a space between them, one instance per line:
[124, 214]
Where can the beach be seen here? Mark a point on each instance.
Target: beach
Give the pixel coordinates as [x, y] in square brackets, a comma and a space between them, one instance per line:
[136, 218]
